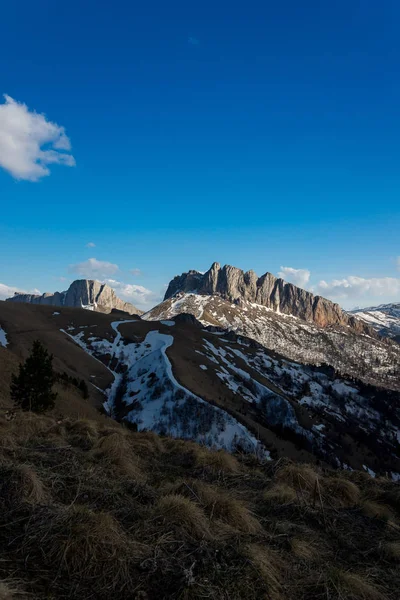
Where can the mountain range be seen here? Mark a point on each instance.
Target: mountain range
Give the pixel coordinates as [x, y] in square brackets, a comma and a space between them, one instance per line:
[82, 293]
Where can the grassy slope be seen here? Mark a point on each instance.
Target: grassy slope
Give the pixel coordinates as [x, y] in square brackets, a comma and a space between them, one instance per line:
[91, 511]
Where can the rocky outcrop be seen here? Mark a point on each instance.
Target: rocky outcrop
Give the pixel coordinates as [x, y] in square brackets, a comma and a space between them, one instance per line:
[236, 285]
[82, 293]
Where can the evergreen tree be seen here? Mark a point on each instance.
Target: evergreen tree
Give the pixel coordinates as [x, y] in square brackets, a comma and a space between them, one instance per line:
[84, 389]
[31, 389]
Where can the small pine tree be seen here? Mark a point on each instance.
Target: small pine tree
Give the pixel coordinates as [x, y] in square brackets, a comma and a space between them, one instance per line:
[31, 389]
[84, 389]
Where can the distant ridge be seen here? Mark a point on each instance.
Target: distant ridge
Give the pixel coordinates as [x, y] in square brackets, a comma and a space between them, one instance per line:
[235, 285]
[82, 293]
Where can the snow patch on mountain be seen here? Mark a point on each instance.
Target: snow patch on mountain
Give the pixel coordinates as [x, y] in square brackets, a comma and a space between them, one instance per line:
[3, 338]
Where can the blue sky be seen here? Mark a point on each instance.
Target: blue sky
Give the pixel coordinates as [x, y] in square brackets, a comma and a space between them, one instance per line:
[259, 134]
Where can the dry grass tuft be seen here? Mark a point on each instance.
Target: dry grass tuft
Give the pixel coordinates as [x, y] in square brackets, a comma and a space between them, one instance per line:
[375, 510]
[29, 425]
[392, 550]
[147, 442]
[298, 476]
[280, 493]
[82, 432]
[10, 590]
[20, 483]
[306, 550]
[269, 566]
[351, 586]
[182, 513]
[340, 492]
[218, 461]
[115, 450]
[90, 546]
[220, 504]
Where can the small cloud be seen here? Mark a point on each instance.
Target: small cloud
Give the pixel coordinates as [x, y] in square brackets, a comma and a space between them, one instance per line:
[90, 245]
[138, 295]
[299, 277]
[23, 136]
[135, 272]
[94, 269]
[192, 41]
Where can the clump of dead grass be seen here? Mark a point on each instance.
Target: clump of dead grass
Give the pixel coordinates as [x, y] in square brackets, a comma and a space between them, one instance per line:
[221, 505]
[10, 590]
[392, 551]
[114, 450]
[182, 513]
[81, 432]
[88, 546]
[298, 476]
[375, 510]
[219, 461]
[147, 443]
[353, 586]
[18, 484]
[269, 566]
[340, 492]
[280, 494]
[306, 549]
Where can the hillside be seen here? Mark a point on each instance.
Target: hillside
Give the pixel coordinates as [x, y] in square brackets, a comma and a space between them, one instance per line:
[89, 511]
[220, 389]
[385, 318]
[82, 293]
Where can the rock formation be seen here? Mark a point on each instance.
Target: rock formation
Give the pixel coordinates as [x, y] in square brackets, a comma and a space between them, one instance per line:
[82, 293]
[236, 285]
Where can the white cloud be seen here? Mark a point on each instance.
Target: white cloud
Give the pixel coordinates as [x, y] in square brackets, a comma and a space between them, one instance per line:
[353, 288]
[94, 269]
[23, 134]
[7, 291]
[136, 294]
[135, 272]
[299, 277]
[90, 245]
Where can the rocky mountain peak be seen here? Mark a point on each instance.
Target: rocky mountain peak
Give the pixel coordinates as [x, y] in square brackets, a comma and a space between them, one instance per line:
[235, 285]
[82, 293]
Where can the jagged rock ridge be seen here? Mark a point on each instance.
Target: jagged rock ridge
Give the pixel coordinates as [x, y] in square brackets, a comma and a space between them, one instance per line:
[235, 285]
[82, 293]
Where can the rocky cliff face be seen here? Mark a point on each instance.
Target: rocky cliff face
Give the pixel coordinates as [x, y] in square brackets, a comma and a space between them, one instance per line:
[235, 285]
[82, 293]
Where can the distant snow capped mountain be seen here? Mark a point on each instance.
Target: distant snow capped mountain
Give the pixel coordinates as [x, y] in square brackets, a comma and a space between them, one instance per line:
[385, 318]
[82, 293]
[285, 319]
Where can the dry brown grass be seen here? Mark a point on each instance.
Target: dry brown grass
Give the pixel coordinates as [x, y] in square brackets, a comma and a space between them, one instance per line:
[81, 431]
[90, 545]
[10, 590]
[280, 493]
[392, 550]
[298, 476]
[351, 586]
[183, 514]
[115, 450]
[20, 483]
[306, 549]
[340, 492]
[269, 566]
[221, 505]
[219, 461]
[147, 443]
[375, 510]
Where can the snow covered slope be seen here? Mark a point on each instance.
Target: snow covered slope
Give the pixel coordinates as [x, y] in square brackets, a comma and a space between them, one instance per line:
[385, 318]
[227, 391]
[372, 359]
